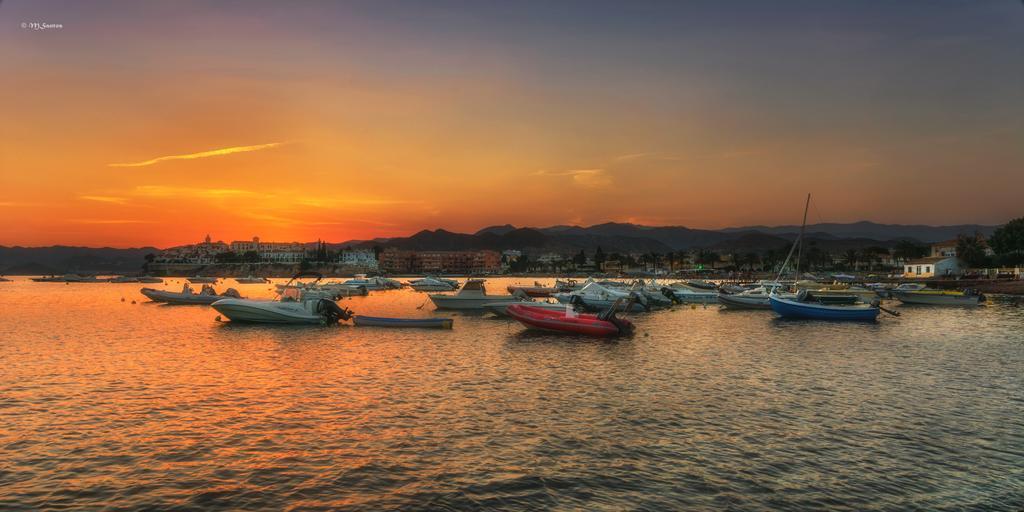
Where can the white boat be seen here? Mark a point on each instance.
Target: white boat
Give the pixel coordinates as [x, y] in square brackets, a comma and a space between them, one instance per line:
[756, 298]
[373, 283]
[296, 305]
[939, 297]
[202, 280]
[252, 280]
[186, 296]
[473, 295]
[686, 293]
[432, 284]
[597, 297]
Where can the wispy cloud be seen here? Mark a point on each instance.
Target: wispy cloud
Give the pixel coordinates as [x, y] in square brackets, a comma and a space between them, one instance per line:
[203, 154]
[111, 221]
[589, 178]
[210, 193]
[105, 199]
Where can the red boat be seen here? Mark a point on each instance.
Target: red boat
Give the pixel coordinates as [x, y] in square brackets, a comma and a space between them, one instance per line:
[604, 324]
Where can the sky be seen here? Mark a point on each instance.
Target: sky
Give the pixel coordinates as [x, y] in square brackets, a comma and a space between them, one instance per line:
[156, 123]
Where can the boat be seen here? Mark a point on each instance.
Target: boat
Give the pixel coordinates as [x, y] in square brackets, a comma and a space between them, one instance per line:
[334, 289]
[807, 306]
[569, 322]
[252, 280]
[186, 296]
[151, 280]
[567, 285]
[373, 283]
[4, 279]
[684, 292]
[124, 279]
[594, 296]
[756, 298]
[202, 280]
[296, 305]
[433, 284]
[537, 290]
[473, 295]
[701, 284]
[374, 321]
[939, 297]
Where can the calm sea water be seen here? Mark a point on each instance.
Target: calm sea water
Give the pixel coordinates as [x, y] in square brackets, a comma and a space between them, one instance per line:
[111, 405]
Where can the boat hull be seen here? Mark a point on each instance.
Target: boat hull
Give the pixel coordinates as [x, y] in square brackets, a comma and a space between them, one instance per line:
[457, 302]
[266, 312]
[555, 321]
[744, 302]
[179, 298]
[787, 308]
[501, 308]
[434, 323]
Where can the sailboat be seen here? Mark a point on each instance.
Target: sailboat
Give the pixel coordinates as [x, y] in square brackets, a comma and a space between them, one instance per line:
[806, 305]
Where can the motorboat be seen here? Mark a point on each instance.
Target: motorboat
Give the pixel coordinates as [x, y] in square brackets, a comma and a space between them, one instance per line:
[568, 321]
[374, 321]
[373, 283]
[208, 295]
[756, 298]
[810, 307]
[295, 305]
[939, 297]
[567, 285]
[151, 280]
[4, 279]
[433, 284]
[473, 295]
[250, 279]
[334, 289]
[701, 284]
[597, 297]
[202, 280]
[124, 279]
[684, 292]
[537, 290]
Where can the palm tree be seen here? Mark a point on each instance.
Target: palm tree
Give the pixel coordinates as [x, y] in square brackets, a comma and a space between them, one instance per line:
[851, 257]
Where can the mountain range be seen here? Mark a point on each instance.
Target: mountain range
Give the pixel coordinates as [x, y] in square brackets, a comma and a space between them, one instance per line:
[610, 237]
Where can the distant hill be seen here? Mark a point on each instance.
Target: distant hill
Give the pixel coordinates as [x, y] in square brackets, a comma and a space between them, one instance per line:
[63, 259]
[873, 230]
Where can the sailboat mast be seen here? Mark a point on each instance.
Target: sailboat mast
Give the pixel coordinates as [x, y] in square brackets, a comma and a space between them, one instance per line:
[800, 240]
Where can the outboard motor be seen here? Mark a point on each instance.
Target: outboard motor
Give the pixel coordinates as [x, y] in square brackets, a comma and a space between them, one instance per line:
[667, 292]
[332, 312]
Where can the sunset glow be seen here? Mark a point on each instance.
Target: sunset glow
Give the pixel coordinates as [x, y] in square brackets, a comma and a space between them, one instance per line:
[142, 125]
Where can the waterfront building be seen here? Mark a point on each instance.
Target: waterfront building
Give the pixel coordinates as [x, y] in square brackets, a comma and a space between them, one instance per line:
[428, 262]
[364, 258]
[932, 266]
[270, 252]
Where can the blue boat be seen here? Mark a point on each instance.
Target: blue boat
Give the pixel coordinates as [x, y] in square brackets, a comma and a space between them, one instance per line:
[376, 321]
[790, 308]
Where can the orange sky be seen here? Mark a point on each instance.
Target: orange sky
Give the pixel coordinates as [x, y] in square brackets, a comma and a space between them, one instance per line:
[362, 120]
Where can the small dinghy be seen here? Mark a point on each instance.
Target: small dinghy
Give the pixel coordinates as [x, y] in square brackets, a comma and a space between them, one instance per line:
[567, 321]
[376, 321]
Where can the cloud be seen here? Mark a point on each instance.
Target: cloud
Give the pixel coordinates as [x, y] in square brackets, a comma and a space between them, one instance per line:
[110, 221]
[589, 178]
[203, 154]
[105, 199]
[209, 193]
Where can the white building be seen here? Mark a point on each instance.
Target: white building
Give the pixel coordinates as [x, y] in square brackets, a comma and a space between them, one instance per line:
[364, 258]
[271, 252]
[933, 266]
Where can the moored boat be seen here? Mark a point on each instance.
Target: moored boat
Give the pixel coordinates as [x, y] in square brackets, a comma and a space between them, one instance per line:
[433, 284]
[374, 321]
[187, 297]
[570, 322]
[295, 306]
[537, 290]
[501, 308]
[202, 280]
[473, 295]
[804, 306]
[939, 297]
[250, 279]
